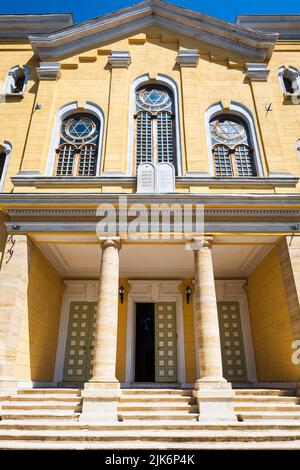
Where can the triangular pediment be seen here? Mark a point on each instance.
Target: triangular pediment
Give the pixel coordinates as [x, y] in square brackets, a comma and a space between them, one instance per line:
[254, 45]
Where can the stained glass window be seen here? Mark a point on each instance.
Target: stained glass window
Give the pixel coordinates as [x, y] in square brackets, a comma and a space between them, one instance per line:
[155, 131]
[232, 149]
[78, 146]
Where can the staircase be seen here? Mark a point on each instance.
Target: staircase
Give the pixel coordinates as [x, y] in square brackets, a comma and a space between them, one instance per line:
[149, 419]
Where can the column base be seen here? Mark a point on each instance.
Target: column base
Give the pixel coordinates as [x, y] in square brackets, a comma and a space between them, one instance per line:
[8, 386]
[214, 397]
[298, 389]
[100, 402]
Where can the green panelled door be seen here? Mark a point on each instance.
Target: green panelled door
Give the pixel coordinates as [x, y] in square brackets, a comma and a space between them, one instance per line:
[232, 343]
[78, 366]
[165, 342]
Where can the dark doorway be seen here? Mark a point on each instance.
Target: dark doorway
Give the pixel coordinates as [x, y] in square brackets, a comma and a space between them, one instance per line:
[144, 343]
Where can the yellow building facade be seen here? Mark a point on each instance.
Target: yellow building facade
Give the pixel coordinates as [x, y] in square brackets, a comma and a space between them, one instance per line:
[166, 109]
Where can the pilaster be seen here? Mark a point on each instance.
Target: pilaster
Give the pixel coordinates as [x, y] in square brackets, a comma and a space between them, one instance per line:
[117, 126]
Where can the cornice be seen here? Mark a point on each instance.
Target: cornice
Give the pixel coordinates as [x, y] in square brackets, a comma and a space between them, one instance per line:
[130, 181]
[90, 34]
[19, 26]
[287, 26]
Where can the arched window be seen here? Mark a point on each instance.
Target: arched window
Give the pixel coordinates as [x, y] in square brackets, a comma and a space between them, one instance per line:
[232, 148]
[155, 126]
[289, 80]
[16, 80]
[78, 146]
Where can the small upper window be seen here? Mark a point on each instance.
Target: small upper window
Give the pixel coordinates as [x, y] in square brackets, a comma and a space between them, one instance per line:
[16, 80]
[290, 80]
[232, 149]
[78, 146]
[298, 149]
[2, 162]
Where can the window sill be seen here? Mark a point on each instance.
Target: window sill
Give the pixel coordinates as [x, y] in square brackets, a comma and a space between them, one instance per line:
[12, 95]
[212, 181]
[74, 181]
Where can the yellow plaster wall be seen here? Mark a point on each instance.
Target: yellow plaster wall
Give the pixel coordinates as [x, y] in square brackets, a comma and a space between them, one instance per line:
[122, 333]
[189, 334]
[270, 321]
[38, 335]
[220, 76]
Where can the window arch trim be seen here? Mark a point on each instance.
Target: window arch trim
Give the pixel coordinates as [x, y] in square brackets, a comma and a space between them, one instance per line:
[9, 79]
[65, 111]
[241, 111]
[164, 80]
[7, 149]
[294, 72]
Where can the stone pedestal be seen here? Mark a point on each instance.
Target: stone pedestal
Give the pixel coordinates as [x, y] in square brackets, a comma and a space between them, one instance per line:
[102, 393]
[213, 393]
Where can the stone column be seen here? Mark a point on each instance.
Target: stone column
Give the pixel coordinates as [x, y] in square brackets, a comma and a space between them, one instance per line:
[14, 279]
[102, 392]
[214, 394]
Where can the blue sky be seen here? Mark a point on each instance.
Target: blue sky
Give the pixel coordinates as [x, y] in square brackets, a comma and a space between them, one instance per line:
[85, 9]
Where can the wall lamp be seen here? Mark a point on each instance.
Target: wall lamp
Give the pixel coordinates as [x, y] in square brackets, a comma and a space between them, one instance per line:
[121, 293]
[188, 293]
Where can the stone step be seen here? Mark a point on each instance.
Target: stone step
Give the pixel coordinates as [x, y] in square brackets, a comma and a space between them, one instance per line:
[50, 391]
[154, 398]
[277, 392]
[38, 414]
[157, 415]
[27, 425]
[156, 391]
[266, 407]
[44, 398]
[40, 406]
[158, 407]
[151, 436]
[269, 415]
[267, 399]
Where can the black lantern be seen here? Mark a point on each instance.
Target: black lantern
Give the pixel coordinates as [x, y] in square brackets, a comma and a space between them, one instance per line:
[188, 293]
[121, 293]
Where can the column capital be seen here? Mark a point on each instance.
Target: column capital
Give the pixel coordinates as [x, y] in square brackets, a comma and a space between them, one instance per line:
[188, 58]
[206, 241]
[48, 71]
[119, 59]
[257, 72]
[110, 242]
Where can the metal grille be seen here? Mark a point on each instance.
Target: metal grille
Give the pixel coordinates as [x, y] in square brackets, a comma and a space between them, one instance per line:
[144, 141]
[65, 160]
[244, 161]
[87, 160]
[165, 144]
[222, 159]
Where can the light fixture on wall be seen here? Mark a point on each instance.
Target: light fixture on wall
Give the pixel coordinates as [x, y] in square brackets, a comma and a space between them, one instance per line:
[188, 293]
[121, 293]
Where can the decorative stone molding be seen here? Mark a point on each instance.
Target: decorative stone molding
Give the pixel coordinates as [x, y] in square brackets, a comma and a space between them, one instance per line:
[188, 58]
[19, 26]
[257, 72]
[119, 59]
[49, 71]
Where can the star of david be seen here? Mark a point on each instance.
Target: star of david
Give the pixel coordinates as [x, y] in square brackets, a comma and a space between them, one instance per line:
[229, 129]
[81, 128]
[154, 97]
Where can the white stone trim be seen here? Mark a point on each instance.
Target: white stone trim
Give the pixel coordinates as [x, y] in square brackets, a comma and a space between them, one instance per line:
[244, 113]
[10, 80]
[7, 147]
[188, 58]
[80, 291]
[48, 71]
[257, 72]
[295, 73]
[298, 149]
[119, 59]
[65, 111]
[154, 291]
[161, 79]
[233, 291]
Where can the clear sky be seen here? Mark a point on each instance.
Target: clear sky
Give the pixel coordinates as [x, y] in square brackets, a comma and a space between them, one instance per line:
[85, 9]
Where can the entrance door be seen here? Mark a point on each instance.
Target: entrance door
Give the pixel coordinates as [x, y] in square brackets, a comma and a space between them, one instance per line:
[78, 366]
[232, 342]
[156, 343]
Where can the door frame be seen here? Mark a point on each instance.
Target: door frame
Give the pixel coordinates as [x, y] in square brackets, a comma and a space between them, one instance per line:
[153, 291]
[76, 291]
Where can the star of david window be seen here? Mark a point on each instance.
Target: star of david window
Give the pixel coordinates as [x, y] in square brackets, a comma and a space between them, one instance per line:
[78, 146]
[155, 130]
[232, 150]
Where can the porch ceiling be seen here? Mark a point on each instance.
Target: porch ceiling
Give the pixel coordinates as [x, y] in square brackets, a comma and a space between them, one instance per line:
[232, 258]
